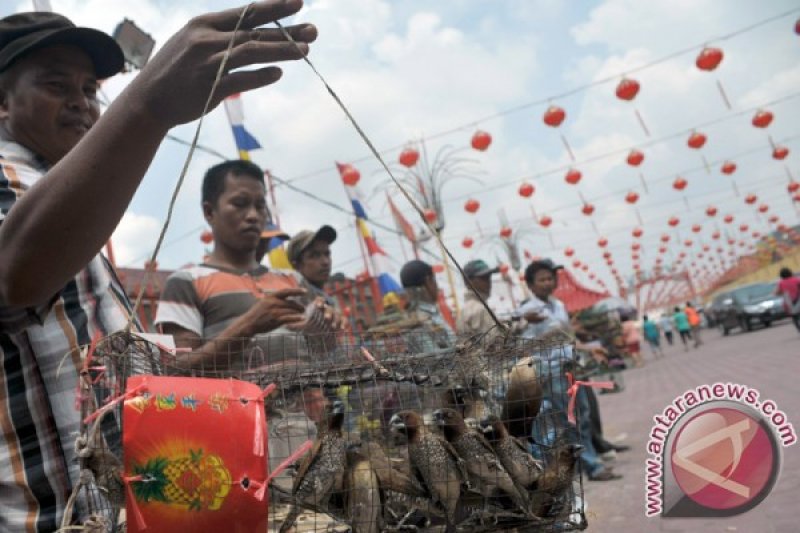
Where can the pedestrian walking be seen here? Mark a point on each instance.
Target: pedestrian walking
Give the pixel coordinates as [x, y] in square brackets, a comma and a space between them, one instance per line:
[667, 326]
[789, 288]
[694, 323]
[630, 334]
[653, 336]
[683, 327]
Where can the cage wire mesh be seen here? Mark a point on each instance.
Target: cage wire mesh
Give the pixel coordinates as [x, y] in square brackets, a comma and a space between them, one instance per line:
[407, 431]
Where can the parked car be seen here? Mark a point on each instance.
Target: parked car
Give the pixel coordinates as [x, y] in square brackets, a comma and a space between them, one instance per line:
[745, 306]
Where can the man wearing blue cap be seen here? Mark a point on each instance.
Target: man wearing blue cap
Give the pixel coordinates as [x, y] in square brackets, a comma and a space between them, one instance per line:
[66, 177]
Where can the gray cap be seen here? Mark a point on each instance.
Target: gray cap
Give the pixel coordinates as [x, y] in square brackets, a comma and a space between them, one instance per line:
[477, 268]
[303, 239]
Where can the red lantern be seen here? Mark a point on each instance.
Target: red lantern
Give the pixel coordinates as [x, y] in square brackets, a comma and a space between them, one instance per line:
[688, 242]
[662, 249]
[481, 140]
[576, 263]
[526, 190]
[606, 255]
[763, 208]
[635, 257]
[636, 246]
[697, 228]
[715, 235]
[554, 116]
[797, 27]
[505, 232]
[573, 176]
[472, 206]
[728, 167]
[696, 140]
[793, 186]
[762, 119]
[350, 176]
[635, 158]
[679, 184]
[728, 219]
[673, 221]
[585, 267]
[780, 153]
[743, 228]
[637, 232]
[207, 237]
[796, 197]
[430, 216]
[750, 199]
[682, 255]
[632, 197]
[467, 242]
[773, 219]
[438, 268]
[603, 242]
[627, 89]
[504, 269]
[709, 59]
[569, 252]
[756, 235]
[409, 157]
[587, 209]
[545, 221]
[665, 238]
[706, 248]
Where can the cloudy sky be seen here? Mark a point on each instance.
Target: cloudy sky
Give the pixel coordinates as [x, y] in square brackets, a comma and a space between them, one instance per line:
[414, 69]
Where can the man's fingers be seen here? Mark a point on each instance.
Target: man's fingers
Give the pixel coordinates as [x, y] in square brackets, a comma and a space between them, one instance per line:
[240, 82]
[258, 14]
[288, 293]
[302, 33]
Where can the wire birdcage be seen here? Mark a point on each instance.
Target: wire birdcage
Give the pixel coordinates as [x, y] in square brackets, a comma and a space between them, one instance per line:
[344, 452]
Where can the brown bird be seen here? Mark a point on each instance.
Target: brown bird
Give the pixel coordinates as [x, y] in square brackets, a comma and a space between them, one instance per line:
[363, 499]
[523, 399]
[551, 497]
[485, 471]
[523, 468]
[434, 462]
[321, 474]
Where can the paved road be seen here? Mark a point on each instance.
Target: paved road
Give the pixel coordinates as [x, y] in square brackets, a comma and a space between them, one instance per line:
[766, 359]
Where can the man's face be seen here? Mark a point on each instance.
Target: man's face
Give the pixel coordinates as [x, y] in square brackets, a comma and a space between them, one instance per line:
[544, 283]
[315, 263]
[483, 285]
[49, 100]
[238, 217]
[432, 287]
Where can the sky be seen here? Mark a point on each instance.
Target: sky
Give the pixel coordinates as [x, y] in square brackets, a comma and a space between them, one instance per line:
[412, 70]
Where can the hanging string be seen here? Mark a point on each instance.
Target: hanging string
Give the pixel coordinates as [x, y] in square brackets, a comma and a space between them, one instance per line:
[184, 171]
[397, 182]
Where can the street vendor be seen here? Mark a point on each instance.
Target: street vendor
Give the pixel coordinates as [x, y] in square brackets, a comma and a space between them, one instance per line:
[66, 177]
[310, 254]
[475, 318]
[545, 316]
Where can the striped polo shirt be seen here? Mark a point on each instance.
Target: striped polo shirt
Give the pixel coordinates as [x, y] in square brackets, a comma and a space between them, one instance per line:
[38, 417]
[206, 299]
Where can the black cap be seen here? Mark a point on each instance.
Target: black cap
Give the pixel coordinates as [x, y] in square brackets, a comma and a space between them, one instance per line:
[477, 268]
[25, 32]
[540, 264]
[414, 273]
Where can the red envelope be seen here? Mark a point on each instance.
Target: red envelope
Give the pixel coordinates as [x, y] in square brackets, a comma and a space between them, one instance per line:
[195, 455]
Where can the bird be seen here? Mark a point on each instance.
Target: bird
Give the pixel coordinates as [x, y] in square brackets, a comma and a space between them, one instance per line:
[523, 468]
[434, 462]
[551, 495]
[362, 492]
[321, 474]
[523, 399]
[485, 471]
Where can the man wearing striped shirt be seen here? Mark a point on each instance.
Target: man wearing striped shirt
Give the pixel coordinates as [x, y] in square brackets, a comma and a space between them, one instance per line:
[66, 178]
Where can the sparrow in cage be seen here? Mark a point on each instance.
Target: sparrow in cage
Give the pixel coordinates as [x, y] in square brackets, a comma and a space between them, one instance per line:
[551, 497]
[362, 492]
[523, 468]
[321, 474]
[485, 471]
[434, 462]
[523, 399]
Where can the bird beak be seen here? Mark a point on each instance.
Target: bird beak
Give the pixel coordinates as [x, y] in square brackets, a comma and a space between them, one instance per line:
[485, 425]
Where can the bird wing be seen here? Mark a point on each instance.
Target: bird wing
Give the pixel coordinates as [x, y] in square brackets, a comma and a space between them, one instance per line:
[308, 460]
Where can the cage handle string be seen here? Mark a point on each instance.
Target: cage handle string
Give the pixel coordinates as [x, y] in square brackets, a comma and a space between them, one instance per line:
[258, 432]
[572, 392]
[295, 455]
[397, 182]
[148, 271]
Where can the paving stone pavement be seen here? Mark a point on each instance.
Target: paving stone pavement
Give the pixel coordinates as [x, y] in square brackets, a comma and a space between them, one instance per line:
[767, 360]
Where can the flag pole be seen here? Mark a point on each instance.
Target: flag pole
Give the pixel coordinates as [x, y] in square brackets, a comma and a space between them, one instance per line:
[450, 279]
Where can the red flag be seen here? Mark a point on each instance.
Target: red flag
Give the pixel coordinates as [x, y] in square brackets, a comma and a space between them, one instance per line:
[401, 222]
